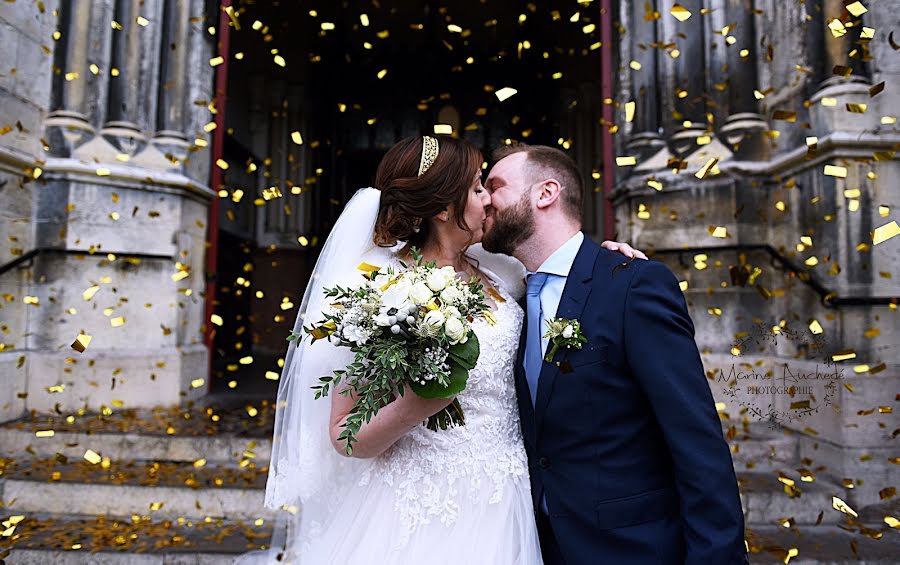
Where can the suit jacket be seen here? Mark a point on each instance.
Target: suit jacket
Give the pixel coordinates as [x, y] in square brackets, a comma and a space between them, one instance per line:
[624, 439]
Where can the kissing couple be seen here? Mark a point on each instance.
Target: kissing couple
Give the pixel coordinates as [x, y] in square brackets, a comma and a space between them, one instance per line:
[611, 452]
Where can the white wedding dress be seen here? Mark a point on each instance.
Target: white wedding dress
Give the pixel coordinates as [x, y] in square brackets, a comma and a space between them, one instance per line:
[456, 496]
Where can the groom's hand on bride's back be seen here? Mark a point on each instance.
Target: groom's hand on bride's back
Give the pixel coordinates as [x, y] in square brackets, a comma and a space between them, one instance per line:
[623, 248]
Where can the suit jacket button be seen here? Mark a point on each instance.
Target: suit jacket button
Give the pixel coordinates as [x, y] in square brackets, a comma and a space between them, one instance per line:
[544, 462]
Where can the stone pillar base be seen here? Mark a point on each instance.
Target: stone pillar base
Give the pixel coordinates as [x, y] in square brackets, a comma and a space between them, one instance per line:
[66, 131]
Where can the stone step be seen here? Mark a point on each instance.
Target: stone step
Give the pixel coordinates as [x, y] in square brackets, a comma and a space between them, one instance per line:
[767, 500]
[823, 545]
[124, 488]
[38, 539]
[760, 448]
[171, 434]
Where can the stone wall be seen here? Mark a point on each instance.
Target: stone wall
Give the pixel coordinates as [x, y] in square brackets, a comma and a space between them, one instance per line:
[103, 191]
[765, 236]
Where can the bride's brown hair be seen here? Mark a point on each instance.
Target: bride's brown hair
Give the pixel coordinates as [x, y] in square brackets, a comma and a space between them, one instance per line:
[409, 200]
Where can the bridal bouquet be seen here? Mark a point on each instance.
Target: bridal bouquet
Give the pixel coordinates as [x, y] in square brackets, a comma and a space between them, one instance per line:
[409, 328]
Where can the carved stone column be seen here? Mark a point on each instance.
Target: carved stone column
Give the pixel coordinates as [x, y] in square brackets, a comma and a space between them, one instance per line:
[744, 126]
[67, 125]
[645, 136]
[133, 93]
[172, 125]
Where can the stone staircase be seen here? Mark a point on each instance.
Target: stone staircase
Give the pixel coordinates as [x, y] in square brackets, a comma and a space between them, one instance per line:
[175, 486]
[185, 486]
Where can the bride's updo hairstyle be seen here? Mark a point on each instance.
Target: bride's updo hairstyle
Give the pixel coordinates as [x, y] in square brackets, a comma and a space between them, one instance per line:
[409, 200]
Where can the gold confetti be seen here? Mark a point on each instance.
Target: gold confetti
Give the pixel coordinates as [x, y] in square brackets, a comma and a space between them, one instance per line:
[835, 171]
[856, 8]
[828, 101]
[117, 322]
[445, 129]
[815, 327]
[92, 457]
[45, 433]
[216, 319]
[680, 12]
[382, 73]
[885, 232]
[786, 115]
[704, 171]
[279, 60]
[216, 61]
[272, 375]
[839, 504]
[103, 172]
[297, 138]
[837, 28]
[629, 111]
[142, 21]
[635, 65]
[197, 383]
[626, 161]
[246, 360]
[505, 93]
[718, 231]
[81, 342]
[843, 355]
[856, 108]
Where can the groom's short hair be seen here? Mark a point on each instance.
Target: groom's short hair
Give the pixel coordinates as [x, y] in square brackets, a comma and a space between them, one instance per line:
[546, 162]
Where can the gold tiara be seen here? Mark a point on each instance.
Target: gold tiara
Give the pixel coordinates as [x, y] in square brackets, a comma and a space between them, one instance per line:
[430, 151]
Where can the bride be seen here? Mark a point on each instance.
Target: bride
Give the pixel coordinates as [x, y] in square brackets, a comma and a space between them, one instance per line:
[408, 495]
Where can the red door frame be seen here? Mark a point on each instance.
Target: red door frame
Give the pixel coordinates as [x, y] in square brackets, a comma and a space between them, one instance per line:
[607, 80]
[223, 32]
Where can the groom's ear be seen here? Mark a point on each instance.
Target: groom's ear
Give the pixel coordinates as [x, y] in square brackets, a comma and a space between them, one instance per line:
[550, 191]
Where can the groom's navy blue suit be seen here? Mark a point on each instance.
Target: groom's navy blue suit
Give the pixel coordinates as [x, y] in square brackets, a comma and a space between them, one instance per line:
[624, 440]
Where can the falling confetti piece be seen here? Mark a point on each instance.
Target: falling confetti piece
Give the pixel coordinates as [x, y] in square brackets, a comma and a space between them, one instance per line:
[626, 161]
[815, 327]
[835, 171]
[92, 457]
[856, 8]
[839, 504]
[44, 433]
[197, 383]
[629, 111]
[718, 231]
[446, 129]
[117, 322]
[885, 232]
[297, 138]
[216, 61]
[704, 171]
[505, 93]
[680, 12]
[81, 342]
[272, 375]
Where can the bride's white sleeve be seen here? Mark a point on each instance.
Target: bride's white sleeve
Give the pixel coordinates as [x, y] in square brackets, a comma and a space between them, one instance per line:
[508, 271]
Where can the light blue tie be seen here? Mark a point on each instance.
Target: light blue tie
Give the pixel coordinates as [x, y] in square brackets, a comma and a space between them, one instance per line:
[533, 353]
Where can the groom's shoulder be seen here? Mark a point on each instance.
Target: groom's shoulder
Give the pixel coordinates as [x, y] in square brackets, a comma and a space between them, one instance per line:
[617, 269]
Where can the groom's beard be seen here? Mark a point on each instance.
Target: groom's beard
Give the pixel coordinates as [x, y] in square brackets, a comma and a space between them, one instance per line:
[511, 227]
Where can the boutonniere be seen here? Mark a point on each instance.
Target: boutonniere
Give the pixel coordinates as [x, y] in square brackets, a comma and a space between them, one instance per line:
[563, 333]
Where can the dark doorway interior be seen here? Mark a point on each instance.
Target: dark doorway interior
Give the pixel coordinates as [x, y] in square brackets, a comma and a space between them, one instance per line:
[356, 78]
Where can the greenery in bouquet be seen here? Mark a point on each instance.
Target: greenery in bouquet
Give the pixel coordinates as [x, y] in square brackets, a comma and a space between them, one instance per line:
[409, 328]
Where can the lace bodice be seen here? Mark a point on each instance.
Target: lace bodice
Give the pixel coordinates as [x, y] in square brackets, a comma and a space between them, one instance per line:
[425, 466]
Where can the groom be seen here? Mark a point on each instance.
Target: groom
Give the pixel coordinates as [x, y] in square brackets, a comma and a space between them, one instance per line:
[627, 460]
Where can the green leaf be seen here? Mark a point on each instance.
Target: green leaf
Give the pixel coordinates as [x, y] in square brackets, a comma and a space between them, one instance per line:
[466, 354]
[459, 375]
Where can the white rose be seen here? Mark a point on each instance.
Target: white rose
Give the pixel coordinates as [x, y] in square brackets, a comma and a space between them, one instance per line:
[435, 318]
[383, 320]
[437, 280]
[456, 331]
[451, 295]
[568, 332]
[452, 312]
[420, 294]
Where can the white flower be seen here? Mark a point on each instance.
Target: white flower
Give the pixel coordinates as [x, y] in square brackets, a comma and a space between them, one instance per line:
[383, 320]
[420, 294]
[452, 312]
[456, 331]
[451, 295]
[568, 332]
[435, 318]
[354, 334]
[438, 279]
